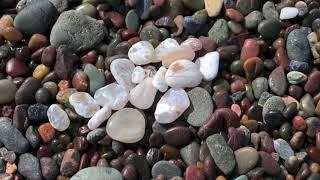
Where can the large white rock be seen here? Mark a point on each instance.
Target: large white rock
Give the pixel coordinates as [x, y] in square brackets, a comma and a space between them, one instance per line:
[165, 46]
[142, 96]
[209, 65]
[84, 104]
[288, 13]
[159, 81]
[122, 69]
[142, 53]
[171, 105]
[178, 53]
[58, 118]
[113, 95]
[138, 75]
[182, 74]
[126, 125]
[99, 117]
[193, 43]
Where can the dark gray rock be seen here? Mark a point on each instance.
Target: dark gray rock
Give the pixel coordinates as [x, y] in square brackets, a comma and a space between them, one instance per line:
[298, 48]
[26, 92]
[33, 137]
[29, 167]
[165, 168]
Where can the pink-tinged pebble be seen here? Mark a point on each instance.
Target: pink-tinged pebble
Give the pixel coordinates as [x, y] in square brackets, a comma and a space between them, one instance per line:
[193, 172]
[236, 108]
[250, 49]
[299, 123]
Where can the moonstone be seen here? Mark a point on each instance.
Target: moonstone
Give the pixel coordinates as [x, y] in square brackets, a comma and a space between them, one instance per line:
[142, 53]
[209, 65]
[138, 75]
[288, 13]
[193, 43]
[84, 104]
[142, 96]
[99, 117]
[182, 74]
[122, 69]
[126, 125]
[114, 95]
[58, 118]
[163, 48]
[159, 81]
[171, 105]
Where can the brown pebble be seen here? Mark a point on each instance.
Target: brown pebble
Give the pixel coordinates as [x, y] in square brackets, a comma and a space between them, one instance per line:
[80, 143]
[84, 161]
[296, 91]
[314, 154]
[249, 49]
[266, 142]
[49, 168]
[48, 56]
[129, 172]
[169, 152]
[70, 162]
[270, 166]
[11, 34]
[177, 136]
[44, 151]
[46, 132]
[253, 67]
[281, 58]
[6, 21]
[312, 86]
[16, 68]
[234, 15]
[38, 41]
[228, 52]
[156, 140]
[90, 57]
[193, 172]
[80, 81]
[11, 168]
[209, 168]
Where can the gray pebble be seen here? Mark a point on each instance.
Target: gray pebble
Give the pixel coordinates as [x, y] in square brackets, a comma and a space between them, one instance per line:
[29, 166]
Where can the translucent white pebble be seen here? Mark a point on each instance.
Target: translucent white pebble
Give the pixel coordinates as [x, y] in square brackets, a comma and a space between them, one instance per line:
[122, 69]
[182, 74]
[209, 65]
[138, 74]
[126, 125]
[288, 13]
[178, 53]
[58, 118]
[84, 104]
[171, 105]
[193, 43]
[99, 117]
[114, 95]
[159, 81]
[165, 46]
[142, 96]
[142, 53]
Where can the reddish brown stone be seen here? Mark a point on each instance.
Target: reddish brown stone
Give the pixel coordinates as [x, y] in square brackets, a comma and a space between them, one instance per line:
[44, 151]
[80, 143]
[312, 85]
[11, 34]
[156, 140]
[89, 58]
[249, 49]
[46, 132]
[209, 168]
[129, 172]
[237, 86]
[281, 58]
[270, 166]
[70, 162]
[193, 172]
[84, 161]
[314, 154]
[253, 67]
[16, 68]
[38, 41]
[234, 15]
[116, 18]
[228, 52]
[80, 81]
[266, 142]
[48, 56]
[296, 91]
[177, 136]
[169, 152]
[127, 34]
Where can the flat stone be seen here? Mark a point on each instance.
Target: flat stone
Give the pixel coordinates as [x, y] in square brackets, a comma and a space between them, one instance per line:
[190, 153]
[96, 78]
[103, 173]
[269, 28]
[171, 106]
[49, 168]
[246, 158]
[142, 96]
[7, 91]
[29, 166]
[142, 53]
[221, 153]
[296, 77]
[253, 19]
[126, 125]
[288, 13]
[165, 168]
[68, 30]
[278, 81]
[283, 148]
[201, 107]
[298, 46]
[269, 10]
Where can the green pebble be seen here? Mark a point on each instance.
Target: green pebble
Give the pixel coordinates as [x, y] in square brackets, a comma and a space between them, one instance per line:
[285, 131]
[296, 77]
[93, 2]
[269, 29]
[194, 4]
[236, 67]
[150, 32]
[52, 88]
[132, 21]
[164, 33]
[96, 78]
[235, 27]
[219, 32]
[87, 9]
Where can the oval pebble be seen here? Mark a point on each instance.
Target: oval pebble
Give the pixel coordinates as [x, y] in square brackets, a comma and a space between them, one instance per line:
[84, 104]
[58, 118]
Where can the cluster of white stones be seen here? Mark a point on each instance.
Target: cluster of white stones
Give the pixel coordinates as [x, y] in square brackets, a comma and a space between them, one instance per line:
[139, 85]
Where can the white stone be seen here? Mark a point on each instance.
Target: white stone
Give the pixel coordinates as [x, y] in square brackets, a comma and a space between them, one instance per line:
[138, 75]
[142, 96]
[84, 104]
[58, 118]
[171, 105]
[159, 81]
[209, 65]
[182, 74]
[142, 53]
[165, 46]
[99, 117]
[126, 125]
[114, 95]
[178, 53]
[122, 69]
[193, 43]
[288, 13]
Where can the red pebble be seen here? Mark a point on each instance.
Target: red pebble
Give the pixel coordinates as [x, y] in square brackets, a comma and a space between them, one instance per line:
[236, 108]
[193, 172]
[299, 123]
[250, 49]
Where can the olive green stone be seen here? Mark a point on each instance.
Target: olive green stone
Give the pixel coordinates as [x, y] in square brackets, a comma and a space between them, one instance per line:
[87, 9]
[52, 88]
[150, 32]
[193, 4]
[132, 21]
[96, 78]
[43, 96]
[235, 27]
[164, 33]
[221, 85]
[285, 131]
[296, 77]
[269, 28]
[249, 92]
[236, 67]
[219, 32]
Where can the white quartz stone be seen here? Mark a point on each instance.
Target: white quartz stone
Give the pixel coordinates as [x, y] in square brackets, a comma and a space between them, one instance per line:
[99, 117]
[165, 46]
[178, 53]
[114, 95]
[138, 75]
[182, 74]
[209, 65]
[84, 104]
[142, 96]
[171, 105]
[142, 53]
[58, 118]
[122, 69]
[159, 81]
[193, 43]
[288, 13]
[126, 125]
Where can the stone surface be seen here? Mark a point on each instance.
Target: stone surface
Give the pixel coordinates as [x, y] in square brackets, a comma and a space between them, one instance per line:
[138, 74]
[182, 74]
[12, 138]
[213, 7]
[58, 118]
[142, 96]
[259, 86]
[84, 104]
[168, 54]
[209, 65]
[121, 70]
[158, 80]
[49, 168]
[307, 105]
[246, 158]
[171, 106]
[126, 125]
[201, 107]
[219, 32]
[29, 166]
[99, 117]
[190, 153]
[142, 53]
[103, 173]
[7, 91]
[283, 149]
[269, 164]
[278, 81]
[26, 92]
[165, 168]
[274, 103]
[96, 78]
[296, 77]
[70, 162]
[221, 153]
[68, 30]
[288, 13]
[298, 46]
[269, 10]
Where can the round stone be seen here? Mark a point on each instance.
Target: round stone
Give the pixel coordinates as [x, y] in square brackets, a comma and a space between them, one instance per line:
[126, 125]
[142, 53]
[278, 81]
[296, 77]
[274, 103]
[103, 173]
[58, 118]
[246, 158]
[87, 9]
[269, 29]
[298, 48]
[283, 149]
[219, 32]
[288, 13]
